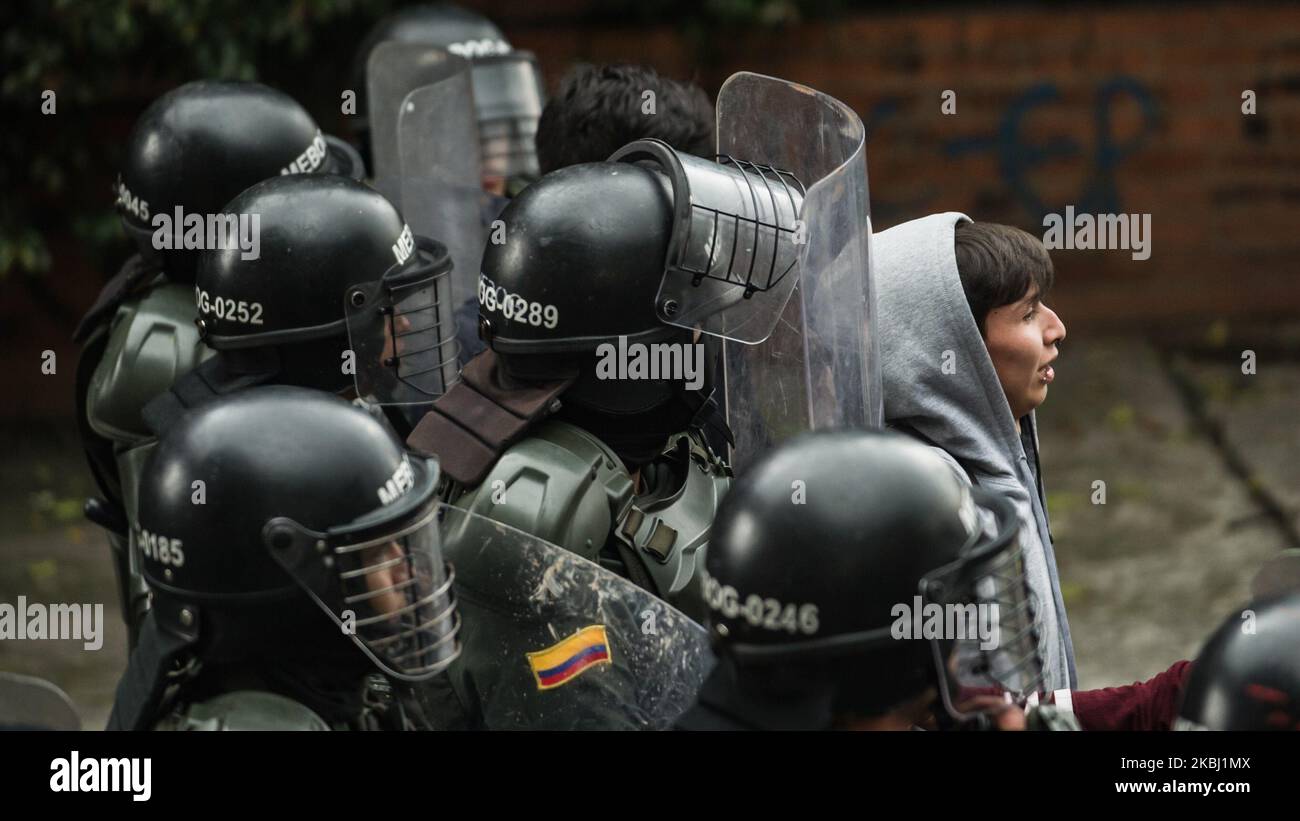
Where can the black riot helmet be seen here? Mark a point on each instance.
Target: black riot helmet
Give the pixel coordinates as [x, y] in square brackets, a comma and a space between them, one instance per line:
[1247, 676]
[262, 509]
[334, 258]
[827, 554]
[199, 145]
[651, 238]
[580, 265]
[647, 247]
[579, 268]
[600, 258]
[507, 87]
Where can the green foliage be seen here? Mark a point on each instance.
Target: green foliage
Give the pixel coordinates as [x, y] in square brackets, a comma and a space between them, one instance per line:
[105, 61]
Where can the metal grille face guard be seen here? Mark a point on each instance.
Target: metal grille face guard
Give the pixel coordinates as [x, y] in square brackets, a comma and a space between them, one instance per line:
[733, 256]
[990, 579]
[508, 101]
[508, 147]
[381, 578]
[771, 255]
[399, 593]
[402, 331]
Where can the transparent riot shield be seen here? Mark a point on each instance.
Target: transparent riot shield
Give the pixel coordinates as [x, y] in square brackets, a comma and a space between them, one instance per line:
[438, 144]
[508, 98]
[394, 70]
[552, 641]
[819, 367]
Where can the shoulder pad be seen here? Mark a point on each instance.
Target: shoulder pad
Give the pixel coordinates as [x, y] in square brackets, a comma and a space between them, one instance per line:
[560, 484]
[153, 341]
[668, 525]
[244, 710]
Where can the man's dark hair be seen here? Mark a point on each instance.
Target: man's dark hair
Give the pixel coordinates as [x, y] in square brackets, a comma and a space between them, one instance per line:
[598, 109]
[999, 265]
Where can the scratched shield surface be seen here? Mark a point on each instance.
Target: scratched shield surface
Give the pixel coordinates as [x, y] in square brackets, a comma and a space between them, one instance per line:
[556, 618]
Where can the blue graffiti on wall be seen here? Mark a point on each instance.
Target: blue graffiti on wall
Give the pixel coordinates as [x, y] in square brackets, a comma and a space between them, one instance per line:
[1017, 158]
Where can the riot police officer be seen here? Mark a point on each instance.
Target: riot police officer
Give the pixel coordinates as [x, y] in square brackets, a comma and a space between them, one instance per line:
[340, 294]
[191, 151]
[291, 545]
[540, 436]
[507, 100]
[545, 432]
[576, 427]
[824, 559]
[278, 316]
[448, 114]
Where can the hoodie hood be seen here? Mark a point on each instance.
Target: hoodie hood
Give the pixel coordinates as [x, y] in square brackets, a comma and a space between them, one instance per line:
[937, 376]
[940, 385]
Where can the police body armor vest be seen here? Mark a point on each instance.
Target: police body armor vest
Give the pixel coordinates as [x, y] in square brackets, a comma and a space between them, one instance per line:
[562, 484]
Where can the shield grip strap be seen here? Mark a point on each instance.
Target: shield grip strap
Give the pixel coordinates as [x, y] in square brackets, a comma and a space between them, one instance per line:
[472, 424]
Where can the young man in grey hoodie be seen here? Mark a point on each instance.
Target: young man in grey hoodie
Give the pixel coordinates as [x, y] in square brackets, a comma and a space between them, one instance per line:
[966, 347]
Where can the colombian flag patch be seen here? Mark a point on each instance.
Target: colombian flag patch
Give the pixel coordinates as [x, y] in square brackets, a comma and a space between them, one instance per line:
[563, 662]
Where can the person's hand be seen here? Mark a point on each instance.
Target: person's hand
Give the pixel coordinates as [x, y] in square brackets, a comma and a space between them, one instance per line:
[1005, 715]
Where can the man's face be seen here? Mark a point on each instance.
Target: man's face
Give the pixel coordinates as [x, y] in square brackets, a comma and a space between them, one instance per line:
[1021, 338]
[392, 346]
[390, 570]
[496, 151]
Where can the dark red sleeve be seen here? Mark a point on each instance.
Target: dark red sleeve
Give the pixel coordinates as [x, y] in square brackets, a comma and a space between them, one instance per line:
[1149, 705]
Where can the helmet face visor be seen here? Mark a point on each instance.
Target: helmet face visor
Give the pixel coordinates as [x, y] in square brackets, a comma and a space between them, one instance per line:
[508, 100]
[382, 580]
[988, 638]
[402, 331]
[396, 596]
[508, 151]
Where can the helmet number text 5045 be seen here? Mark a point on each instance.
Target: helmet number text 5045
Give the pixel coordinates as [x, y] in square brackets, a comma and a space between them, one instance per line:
[515, 307]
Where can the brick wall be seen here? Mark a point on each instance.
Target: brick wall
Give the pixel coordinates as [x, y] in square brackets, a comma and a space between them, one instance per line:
[1129, 109]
